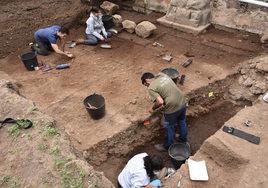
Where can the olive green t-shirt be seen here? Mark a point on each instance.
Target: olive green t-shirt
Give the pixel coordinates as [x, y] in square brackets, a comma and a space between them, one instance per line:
[163, 86]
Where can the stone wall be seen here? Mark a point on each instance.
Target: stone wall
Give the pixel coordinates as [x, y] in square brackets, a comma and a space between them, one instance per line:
[238, 15]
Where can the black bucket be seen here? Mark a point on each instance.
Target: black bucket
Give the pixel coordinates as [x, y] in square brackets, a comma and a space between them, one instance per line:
[172, 72]
[98, 101]
[29, 60]
[107, 21]
[178, 153]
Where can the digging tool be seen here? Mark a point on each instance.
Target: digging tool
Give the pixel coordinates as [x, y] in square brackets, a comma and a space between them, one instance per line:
[167, 57]
[186, 63]
[159, 44]
[105, 46]
[179, 183]
[63, 66]
[93, 107]
[46, 68]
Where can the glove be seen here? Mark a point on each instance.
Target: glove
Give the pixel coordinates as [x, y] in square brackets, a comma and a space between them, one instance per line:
[156, 183]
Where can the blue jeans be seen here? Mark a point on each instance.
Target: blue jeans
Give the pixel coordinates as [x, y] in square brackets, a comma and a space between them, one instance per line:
[170, 120]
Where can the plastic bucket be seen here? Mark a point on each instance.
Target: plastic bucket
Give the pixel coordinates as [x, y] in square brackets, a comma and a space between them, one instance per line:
[178, 153]
[29, 60]
[172, 72]
[98, 101]
[107, 21]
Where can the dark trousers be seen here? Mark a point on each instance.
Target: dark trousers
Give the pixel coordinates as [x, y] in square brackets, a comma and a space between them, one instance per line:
[43, 48]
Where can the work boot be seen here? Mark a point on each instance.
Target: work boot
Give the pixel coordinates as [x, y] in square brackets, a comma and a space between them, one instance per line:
[80, 41]
[177, 137]
[159, 147]
[161, 175]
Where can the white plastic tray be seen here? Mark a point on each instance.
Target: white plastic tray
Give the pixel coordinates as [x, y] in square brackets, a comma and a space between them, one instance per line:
[265, 98]
[198, 170]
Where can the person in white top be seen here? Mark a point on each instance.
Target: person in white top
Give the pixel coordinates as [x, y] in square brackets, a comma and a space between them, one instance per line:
[139, 170]
[95, 30]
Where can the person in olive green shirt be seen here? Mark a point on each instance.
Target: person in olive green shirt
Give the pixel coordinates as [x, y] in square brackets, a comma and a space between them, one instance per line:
[163, 91]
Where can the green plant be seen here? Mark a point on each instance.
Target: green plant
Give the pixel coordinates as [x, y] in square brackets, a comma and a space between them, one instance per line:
[29, 135]
[44, 139]
[56, 149]
[83, 174]
[95, 183]
[69, 158]
[14, 184]
[43, 148]
[29, 158]
[12, 152]
[50, 131]
[4, 179]
[58, 162]
[14, 131]
[23, 123]
[77, 184]
[10, 165]
[33, 109]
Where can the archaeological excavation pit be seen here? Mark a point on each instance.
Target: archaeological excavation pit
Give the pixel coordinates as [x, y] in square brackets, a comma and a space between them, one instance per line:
[114, 153]
[217, 86]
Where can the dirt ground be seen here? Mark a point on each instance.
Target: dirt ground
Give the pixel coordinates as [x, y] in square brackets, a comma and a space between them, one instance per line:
[116, 72]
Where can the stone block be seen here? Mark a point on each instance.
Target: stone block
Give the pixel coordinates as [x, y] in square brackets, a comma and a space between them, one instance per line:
[109, 8]
[179, 3]
[142, 10]
[195, 15]
[206, 17]
[198, 4]
[184, 21]
[189, 29]
[164, 21]
[171, 10]
[183, 13]
[129, 26]
[145, 29]
[117, 19]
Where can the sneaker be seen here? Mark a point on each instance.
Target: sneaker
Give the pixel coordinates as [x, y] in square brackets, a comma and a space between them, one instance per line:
[32, 46]
[159, 147]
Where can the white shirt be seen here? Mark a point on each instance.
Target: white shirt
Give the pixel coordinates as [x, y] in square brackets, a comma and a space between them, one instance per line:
[134, 174]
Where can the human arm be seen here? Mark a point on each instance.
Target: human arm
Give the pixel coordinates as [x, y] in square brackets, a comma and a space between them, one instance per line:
[158, 102]
[57, 50]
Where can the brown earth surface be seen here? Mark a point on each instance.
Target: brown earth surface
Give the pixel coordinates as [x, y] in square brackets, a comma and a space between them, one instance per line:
[108, 143]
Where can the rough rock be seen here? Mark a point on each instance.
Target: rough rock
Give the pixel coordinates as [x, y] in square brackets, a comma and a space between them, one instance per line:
[264, 39]
[129, 26]
[117, 19]
[109, 8]
[258, 88]
[249, 82]
[263, 65]
[235, 94]
[145, 29]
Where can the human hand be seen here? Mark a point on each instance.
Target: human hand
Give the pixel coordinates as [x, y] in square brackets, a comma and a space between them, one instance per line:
[105, 36]
[70, 55]
[102, 38]
[151, 110]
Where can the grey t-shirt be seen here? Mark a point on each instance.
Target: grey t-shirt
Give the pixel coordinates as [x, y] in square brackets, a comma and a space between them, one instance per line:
[163, 86]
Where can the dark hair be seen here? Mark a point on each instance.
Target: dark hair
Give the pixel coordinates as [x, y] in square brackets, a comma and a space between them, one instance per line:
[151, 163]
[64, 30]
[95, 9]
[145, 76]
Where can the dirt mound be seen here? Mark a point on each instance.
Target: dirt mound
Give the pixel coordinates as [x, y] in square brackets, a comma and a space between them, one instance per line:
[41, 156]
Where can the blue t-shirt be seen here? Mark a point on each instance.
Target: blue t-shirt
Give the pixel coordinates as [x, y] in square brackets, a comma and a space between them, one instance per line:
[47, 35]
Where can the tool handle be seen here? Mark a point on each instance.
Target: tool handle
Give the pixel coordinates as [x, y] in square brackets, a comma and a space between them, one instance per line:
[62, 66]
